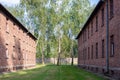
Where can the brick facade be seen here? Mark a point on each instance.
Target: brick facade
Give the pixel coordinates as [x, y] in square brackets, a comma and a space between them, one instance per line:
[17, 44]
[92, 39]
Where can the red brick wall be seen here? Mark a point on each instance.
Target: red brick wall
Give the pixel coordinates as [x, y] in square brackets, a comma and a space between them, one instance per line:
[97, 37]
[17, 48]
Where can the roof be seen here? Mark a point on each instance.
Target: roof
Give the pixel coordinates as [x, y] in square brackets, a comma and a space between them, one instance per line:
[7, 13]
[91, 16]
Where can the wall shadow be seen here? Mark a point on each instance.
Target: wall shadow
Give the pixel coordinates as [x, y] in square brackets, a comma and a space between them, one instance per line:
[18, 60]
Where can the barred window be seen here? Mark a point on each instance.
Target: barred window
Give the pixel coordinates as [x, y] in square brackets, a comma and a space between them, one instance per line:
[102, 16]
[103, 50]
[92, 52]
[88, 53]
[96, 23]
[88, 32]
[91, 28]
[96, 50]
[112, 46]
[7, 25]
[7, 54]
[111, 8]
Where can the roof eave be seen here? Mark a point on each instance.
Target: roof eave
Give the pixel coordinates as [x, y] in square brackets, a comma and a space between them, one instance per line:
[92, 14]
[2, 8]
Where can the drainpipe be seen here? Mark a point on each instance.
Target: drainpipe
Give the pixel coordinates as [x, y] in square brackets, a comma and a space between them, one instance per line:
[107, 38]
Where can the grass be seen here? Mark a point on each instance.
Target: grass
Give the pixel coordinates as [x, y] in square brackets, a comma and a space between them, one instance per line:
[51, 72]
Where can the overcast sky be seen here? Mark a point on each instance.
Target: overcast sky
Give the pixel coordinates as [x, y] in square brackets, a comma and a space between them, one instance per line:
[10, 2]
[14, 2]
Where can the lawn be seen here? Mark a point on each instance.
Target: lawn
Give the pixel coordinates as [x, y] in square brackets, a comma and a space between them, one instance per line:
[51, 72]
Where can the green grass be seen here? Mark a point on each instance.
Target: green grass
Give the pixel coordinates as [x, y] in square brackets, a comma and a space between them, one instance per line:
[51, 72]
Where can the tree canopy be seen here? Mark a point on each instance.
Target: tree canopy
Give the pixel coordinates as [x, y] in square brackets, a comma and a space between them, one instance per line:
[55, 23]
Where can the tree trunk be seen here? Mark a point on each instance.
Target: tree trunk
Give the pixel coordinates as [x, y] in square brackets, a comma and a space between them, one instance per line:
[72, 54]
[72, 60]
[58, 60]
[43, 56]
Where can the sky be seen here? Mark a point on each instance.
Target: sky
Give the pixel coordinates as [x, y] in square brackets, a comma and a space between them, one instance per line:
[10, 2]
[93, 2]
[14, 2]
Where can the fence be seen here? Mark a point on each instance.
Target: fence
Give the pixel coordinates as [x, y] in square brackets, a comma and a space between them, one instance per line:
[65, 61]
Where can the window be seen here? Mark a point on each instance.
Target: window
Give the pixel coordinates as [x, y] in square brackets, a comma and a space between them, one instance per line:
[82, 37]
[13, 55]
[111, 9]
[96, 50]
[13, 25]
[85, 35]
[14, 38]
[92, 52]
[102, 16]
[19, 50]
[88, 53]
[85, 53]
[88, 32]
[112, 46]
[7, 27]
[103, 50]
[7, 54]
[91, 28]
[96, 23]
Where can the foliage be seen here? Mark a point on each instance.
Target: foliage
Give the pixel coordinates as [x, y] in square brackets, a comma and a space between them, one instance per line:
[54, 20]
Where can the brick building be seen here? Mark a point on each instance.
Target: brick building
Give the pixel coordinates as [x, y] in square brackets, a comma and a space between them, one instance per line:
[102, 27]
[17, 44]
